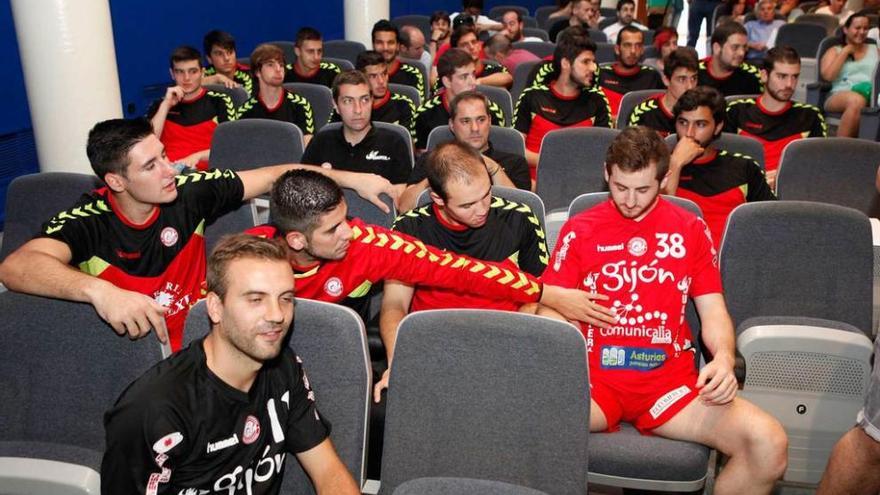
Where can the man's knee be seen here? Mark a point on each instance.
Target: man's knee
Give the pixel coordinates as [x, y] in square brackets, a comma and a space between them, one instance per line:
[866, 444]
[855, 101]
[767, 444]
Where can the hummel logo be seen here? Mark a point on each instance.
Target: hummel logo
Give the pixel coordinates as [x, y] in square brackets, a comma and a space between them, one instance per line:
[374, 155]
[223, 444]
[606, 249]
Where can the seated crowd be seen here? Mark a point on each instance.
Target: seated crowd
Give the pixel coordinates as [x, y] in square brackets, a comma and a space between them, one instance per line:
[140, 257]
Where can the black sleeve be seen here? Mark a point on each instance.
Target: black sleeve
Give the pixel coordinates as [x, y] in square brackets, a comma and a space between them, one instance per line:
[312, 154]
[730, 119]
[758, 188]
[517, 169]
[401, 162]
[304, 117]
[211, 193]
[418, 173]
[306, 427]
[154, 107]
[603, 116]
[76, 227]
[532, 249]
[421, 130]
[523, 119]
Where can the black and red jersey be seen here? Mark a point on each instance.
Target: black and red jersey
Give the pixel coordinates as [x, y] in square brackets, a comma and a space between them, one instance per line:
[408, 74]
[164, 257]
[323, 75]
[719, 183]
[774, 129]
[512, 236]
[190, 125]
[744, 80]
[242, 76]
[435, 113]
[541, 74]
[392, 108]
[616, 81]
[291, 108]
[378, 254]
[654, 114]
[542, 109]
[180, 429]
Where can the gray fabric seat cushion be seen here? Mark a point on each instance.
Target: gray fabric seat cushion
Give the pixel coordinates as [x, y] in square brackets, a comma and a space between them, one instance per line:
[628, 454]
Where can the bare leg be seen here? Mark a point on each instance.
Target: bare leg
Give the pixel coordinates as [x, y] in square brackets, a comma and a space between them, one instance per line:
[854, 466]
[597, 417]
[754, 441]
[851, 104]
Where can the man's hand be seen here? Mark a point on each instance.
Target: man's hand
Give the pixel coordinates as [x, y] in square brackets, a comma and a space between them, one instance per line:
[191, 160]
[131, 313]
[685, 151]
[770, 175]
[716, 382]
[370, 186]
[380, 386]
[225, 81]
[578, 305]
[173, 95]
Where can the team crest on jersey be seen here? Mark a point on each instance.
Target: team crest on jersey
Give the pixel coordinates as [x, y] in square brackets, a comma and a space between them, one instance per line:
[251, 431]
[333, 286]
[169, 236]
[637, 246]
[167, 442]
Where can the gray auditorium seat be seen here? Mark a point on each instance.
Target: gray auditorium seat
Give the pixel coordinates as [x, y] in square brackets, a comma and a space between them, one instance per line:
[502, 138]
[343, 49]
[331, 342]
[359, 207]
[238, 94]
[500, 97]
[472, 396]
[461, 486]
[408, 91]
[798, 283]
[61, 368]
[319, 96]
[540, 49]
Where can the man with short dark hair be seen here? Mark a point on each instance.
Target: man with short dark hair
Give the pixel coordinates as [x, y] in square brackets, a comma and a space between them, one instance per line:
[272, 100]
[772, 118]
[569, 100]
[456, 71]
[470, 124]
[388, 106]
[645, 257]
[716, 180]
[385, 41]
[135, 249]
[465, 38]
[465, 218]
[726, 69]
[224, 68]
[222, 414]
[679, 75]
[309, 66]
[626, 14]
[514, 28]
[186, 117]
[626, 74]
[359, 146]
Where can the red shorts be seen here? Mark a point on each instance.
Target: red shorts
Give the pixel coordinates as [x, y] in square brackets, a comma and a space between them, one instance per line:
[649, 401]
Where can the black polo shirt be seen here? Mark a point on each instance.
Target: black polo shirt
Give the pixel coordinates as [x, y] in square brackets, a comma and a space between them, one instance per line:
[380, 152]
[515, 166]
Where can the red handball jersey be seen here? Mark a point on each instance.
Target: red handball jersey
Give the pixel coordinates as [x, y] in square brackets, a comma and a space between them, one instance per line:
[647, 268]
[377, 254]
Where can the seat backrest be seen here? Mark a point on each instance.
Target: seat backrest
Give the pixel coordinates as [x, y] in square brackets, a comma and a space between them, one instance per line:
[237, 94]
[572, 162]
[344, 64]
[359, 207]
[540, 49]
[536, 32]
[408, 91]
[459, 374]
[252, 143]
[502, 138]
[586, 201]
[630, 101]
[838, 171]
[521, 78]
[461, 486]
[499, 10]
[804, 38]
[557, 24]
[509, 193]
[319, 96]
[398, 129]
[829, 22]
[732, 143]
[287, 48]
[500, 97]
[531, 23]
[234, 222]
[605, 53]
[598, 36]
[61, 368]
[797, 258]
[33, 199]
[422, 22]
[343, 49]
[542, 15]
[331, 341]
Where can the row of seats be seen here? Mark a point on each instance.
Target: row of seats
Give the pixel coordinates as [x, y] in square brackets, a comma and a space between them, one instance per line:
[485, 404]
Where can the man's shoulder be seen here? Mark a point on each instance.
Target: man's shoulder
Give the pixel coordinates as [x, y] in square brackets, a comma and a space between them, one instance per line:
[513, 212]
[735, 161]
[749, 70]
[409, 221]
[168, 383]
[430, 105]
[91, 207]
[329, 67]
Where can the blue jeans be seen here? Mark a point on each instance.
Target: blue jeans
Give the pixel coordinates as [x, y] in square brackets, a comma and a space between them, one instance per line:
[699, 10]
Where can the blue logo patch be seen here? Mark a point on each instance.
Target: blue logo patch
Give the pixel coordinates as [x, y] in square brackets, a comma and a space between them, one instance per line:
[632, 358]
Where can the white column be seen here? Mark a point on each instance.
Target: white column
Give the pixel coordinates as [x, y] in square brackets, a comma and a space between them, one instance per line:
[360, 15]
[69, 65]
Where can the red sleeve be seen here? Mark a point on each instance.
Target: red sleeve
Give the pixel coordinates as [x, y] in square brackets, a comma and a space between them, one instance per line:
[565, 264]
[704, 263]
[397, 256]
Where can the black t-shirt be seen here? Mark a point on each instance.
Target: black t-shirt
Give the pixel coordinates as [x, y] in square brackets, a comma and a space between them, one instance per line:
[542, 109]
[291, 108]
[242, 76]
[180, 429]
[774, 129]
[435, 113]
[515, 166]
[393, 108]
[744, 80]
[380, 152]
[164, 257]
[615, 82]
[408, 74]
[654, 114]
[324, 75]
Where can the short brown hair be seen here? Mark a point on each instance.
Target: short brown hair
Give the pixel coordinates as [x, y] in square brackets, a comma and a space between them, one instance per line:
[636, 148]
[452, 59]
[452, 160]
[264, 54]
[238, 246]
[467, 96]
[353, 77]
